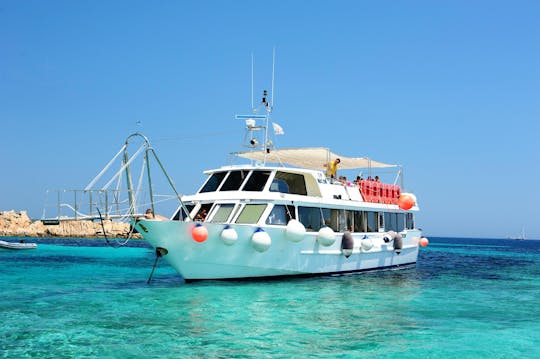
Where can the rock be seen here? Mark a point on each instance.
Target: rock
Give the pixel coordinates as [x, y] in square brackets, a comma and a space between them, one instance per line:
[18, 224]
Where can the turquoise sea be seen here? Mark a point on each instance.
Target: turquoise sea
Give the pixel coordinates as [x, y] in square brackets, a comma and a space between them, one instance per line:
[74, 298]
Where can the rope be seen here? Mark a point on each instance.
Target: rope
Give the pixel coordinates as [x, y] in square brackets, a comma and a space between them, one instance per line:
[322, 216]
[289, 212]
[160, 251]
[117, 244]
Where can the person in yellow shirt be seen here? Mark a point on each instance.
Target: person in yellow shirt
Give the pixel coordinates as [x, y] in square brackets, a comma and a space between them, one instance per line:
[331, 168]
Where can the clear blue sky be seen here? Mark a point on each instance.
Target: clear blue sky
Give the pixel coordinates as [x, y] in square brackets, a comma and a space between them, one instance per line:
[448, 89]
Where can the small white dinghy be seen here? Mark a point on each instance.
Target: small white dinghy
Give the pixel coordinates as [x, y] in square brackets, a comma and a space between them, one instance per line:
[17, 245]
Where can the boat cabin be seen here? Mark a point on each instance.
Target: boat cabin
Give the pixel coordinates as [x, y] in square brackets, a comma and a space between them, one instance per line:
[271, 196]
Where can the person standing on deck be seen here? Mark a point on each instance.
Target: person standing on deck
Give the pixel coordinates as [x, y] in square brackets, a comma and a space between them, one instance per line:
[331, 168]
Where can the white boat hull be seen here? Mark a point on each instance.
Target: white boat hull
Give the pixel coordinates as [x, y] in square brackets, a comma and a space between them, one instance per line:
[213, 259]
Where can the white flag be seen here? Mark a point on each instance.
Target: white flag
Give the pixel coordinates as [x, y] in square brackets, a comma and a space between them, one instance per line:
[278, 130]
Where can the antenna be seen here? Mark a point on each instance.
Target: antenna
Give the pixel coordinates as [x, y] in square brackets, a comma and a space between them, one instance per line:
[273, 64]
[252, 107]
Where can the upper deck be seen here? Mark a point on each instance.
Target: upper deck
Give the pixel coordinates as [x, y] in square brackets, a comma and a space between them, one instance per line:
[267, 182]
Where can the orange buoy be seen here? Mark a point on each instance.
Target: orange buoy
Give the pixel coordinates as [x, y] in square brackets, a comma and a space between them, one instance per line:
[199, 233]
[405, 201]
[423, 242]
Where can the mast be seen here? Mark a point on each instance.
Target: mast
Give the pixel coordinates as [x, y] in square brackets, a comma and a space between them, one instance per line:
[253, 139]
[269, 106]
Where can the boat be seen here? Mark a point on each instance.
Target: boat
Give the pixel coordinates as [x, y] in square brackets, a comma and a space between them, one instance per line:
[521, 237]
[280, 215]
[17, 245]
[277, 213]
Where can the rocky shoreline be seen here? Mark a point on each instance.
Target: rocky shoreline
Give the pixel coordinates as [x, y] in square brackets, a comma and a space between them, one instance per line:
[18, 224]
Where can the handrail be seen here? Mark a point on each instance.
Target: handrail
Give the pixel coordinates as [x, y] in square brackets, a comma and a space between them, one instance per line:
[107, 199]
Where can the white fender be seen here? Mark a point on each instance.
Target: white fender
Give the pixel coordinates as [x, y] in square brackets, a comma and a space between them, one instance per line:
[295, 231]
[261, 240]
[229, 235]
[366, 244]
[326, 236]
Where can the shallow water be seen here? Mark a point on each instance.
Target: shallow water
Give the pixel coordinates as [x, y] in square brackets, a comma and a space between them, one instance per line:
[81, 298]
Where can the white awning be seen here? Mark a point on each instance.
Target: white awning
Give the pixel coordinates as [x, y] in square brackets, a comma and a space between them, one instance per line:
[312, 158]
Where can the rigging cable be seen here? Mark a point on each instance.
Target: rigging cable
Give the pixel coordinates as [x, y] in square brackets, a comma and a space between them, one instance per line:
[118, 244]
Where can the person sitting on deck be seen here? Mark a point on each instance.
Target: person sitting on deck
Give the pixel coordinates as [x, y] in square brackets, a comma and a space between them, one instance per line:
[150, 215]
[331, 168]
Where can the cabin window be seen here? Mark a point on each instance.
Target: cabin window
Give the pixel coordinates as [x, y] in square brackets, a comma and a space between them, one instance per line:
[394, 222]
[334, 220]
[180, 215]
[330, 218]
[213, 182]
[381, 219]
[234, 180]
[251, 213]
[279, 185]
[372, 221]
[359, 221]
[409, 221]
[288, 183]
[201, 214]
[222, 213]
[350, 220]
[400, 221]
[389, 221]
[311, 218]
[280, 215]
[339, 220]
[257, 181]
